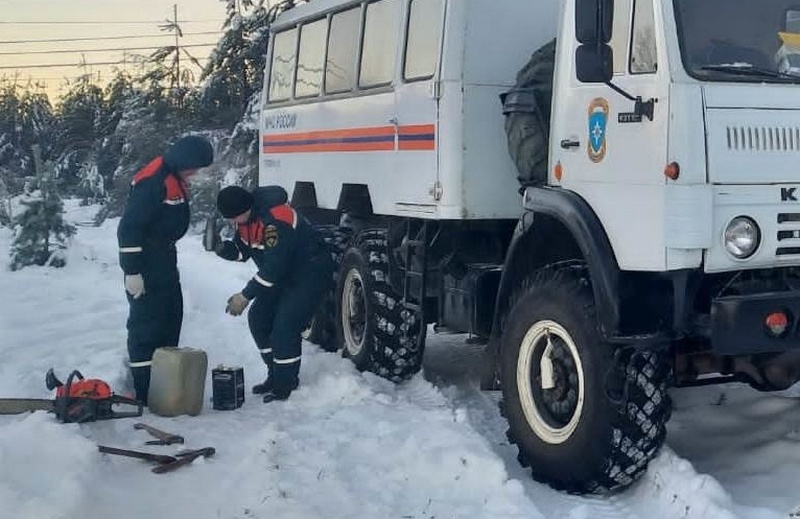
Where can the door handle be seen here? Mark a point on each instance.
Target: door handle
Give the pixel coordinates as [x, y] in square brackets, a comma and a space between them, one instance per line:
[568, 143]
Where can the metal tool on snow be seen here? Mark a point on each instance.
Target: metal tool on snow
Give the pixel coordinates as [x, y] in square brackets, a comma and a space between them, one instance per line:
[164, 438]
[166, 463]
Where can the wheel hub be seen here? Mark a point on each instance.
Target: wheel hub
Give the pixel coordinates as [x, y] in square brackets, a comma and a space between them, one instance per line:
[552, 412]
[354, 312]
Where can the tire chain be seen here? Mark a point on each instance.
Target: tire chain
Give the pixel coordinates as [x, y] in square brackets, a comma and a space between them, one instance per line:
[397, 353]
[646, 411]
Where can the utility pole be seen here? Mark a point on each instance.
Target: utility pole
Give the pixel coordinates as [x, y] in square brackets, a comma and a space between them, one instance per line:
[177, 48]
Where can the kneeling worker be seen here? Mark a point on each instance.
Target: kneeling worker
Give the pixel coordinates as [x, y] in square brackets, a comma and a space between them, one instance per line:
[294, 270]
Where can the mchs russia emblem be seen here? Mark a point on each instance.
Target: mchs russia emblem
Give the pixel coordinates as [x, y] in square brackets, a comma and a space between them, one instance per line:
[598, 122]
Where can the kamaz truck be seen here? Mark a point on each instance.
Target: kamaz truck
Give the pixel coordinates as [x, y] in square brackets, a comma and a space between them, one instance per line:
[606, 193]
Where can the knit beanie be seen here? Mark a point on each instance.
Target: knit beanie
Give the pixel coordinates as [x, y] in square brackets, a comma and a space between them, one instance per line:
[233, 201]
[190, 152]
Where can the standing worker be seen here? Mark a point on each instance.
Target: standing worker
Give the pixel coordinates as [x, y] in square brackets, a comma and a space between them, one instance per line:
[155, 217]
[294, 270]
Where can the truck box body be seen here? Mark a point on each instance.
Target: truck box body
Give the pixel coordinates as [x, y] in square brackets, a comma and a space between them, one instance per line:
[418, 155]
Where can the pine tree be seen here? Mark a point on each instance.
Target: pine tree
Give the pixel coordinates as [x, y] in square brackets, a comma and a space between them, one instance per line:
[5, 204]
[26, 118]
[40, 232]
[79, 138]
[235, 69]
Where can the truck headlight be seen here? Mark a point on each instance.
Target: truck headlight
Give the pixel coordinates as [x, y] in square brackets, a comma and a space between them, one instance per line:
[742, 237]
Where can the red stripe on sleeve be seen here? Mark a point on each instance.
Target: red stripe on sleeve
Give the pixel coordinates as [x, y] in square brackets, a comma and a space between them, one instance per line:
[148, 171]
[283, 213]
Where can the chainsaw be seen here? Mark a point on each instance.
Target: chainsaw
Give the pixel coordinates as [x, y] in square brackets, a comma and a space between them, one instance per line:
[79, 400]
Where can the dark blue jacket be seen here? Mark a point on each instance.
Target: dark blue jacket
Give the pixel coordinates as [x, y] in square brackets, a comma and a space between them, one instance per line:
[282, 244]
[157, 212]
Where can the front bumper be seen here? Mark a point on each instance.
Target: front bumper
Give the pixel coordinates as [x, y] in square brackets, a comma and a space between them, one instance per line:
[738, 323]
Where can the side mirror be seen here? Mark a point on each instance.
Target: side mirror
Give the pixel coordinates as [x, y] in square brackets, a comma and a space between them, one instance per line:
[593, 21]
[594, 63]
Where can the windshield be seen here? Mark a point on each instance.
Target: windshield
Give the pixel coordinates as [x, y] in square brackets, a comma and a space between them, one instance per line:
[740, 40]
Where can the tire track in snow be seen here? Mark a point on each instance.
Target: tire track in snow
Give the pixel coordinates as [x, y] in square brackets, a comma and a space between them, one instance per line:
[670, 489]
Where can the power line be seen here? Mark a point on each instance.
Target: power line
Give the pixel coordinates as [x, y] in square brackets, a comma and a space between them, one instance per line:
[66, 65]
[78, 51]
[101, 38]
[98, 22]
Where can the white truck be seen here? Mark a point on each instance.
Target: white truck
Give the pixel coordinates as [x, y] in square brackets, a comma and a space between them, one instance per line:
[620, 215]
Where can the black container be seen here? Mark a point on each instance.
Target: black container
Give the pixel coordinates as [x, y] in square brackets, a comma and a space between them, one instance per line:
[227, 384]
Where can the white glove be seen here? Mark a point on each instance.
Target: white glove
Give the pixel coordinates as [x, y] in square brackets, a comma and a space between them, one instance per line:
[236, 304]
[134, 285]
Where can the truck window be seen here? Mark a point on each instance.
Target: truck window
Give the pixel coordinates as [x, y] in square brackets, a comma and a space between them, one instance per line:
[619, 35]
[643, 38]
[743, 34]
[342, 48]
[281, 75]
[379, 46]
[310, 58]
[422, 45]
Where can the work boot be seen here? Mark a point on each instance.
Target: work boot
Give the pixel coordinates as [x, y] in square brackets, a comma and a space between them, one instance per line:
[272, 395]
[264, 387]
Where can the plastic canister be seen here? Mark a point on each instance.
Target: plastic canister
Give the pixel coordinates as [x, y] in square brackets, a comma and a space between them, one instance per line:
[177, 381]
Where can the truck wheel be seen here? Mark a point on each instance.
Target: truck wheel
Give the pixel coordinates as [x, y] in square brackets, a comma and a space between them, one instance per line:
[527, 131]
[585, 420]
[374, 329]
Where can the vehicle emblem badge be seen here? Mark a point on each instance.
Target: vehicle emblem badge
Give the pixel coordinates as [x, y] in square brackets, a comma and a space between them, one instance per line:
[598, 121]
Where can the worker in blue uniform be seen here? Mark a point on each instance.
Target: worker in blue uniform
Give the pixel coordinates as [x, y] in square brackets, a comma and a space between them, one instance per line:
[155, 217]
[294, 270]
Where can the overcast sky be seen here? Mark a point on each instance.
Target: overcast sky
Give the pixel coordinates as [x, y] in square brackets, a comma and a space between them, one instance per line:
[27, 20]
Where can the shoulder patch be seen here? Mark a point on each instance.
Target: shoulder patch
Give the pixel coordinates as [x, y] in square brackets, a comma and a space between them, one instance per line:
[148, 171]
[284, 213]
[270, 235]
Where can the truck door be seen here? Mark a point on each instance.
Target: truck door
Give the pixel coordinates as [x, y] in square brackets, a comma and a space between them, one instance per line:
[417, 106]
[613, 158]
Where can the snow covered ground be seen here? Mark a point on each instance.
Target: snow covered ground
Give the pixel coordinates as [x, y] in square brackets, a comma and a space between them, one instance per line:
[346, 444]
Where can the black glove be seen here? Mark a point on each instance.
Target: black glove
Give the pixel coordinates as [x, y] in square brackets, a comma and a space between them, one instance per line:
[227, 250]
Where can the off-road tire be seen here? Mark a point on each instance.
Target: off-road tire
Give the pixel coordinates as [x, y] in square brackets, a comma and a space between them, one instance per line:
[322, 328]
[527, 131]
[390, 346]
[603, 442]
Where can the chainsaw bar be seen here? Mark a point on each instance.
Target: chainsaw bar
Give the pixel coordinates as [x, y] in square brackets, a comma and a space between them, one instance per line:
[25, 405]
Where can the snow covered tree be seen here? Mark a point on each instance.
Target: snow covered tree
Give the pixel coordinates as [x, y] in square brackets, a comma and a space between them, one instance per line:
[26, 119]
[40, 232]
[118, 95]
[5, 204]
[235, 69]
[78, 137]
[91, 187]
